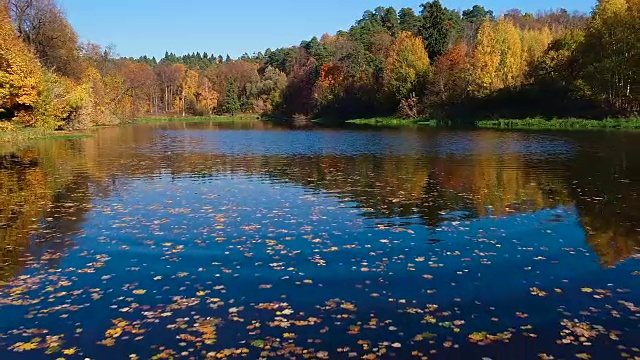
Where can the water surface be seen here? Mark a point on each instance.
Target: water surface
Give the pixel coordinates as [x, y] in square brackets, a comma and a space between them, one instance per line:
[196, 240]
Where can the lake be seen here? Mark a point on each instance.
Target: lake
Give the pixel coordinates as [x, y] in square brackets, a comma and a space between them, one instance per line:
[228, 240]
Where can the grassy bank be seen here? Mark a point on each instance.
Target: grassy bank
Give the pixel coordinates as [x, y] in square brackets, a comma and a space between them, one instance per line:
[20, 134]
[11, 134]
[392, 122]
[561, 124]
[155, 120]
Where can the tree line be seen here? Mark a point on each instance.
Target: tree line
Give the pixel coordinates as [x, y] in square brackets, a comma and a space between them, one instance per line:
[438, 62]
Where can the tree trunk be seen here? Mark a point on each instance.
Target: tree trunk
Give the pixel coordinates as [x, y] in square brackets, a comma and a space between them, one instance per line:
[166, 95]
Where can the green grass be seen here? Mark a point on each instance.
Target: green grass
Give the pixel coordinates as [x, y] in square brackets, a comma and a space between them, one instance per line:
[392, 122]
[67, 136]
[383, 121]
[19, 135]
[156, 120]
[561, 124]
[15, 135]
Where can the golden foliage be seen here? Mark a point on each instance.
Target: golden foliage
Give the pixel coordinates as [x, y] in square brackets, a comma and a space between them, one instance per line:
[50, 109]
[503, 55]
[610, 52]
[206, 97]
[406, 65]
[511, 69]
[485, 61]
[535, 42]
[19, 71]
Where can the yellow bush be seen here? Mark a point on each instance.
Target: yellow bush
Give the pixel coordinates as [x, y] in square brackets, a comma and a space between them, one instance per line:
[19, 70]
[50, 109]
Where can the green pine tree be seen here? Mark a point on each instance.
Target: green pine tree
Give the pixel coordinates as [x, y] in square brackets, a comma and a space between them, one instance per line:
[231, 100]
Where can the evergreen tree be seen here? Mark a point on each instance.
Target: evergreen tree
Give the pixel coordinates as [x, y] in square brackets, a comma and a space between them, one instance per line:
[390, 20]
[409, 21]
[477, 14]
[439, 24]
[231, 100]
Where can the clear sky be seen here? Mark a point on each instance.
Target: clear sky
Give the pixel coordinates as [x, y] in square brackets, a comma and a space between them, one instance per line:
[149, 27]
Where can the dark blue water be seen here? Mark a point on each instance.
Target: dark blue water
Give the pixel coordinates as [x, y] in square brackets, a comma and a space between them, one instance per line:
[212, 242]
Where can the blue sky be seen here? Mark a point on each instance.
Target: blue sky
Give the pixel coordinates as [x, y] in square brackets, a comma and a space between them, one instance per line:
[139, 27]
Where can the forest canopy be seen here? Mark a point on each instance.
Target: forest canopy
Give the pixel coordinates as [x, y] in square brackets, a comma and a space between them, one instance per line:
[459, 65]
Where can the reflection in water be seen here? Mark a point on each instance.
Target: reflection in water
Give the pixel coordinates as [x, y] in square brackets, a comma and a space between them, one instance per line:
[41, 206]
[23, 201]
[188, 233]
[50, 185]
[603, 184]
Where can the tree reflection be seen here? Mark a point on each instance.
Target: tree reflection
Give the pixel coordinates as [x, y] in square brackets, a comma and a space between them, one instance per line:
[47, 190]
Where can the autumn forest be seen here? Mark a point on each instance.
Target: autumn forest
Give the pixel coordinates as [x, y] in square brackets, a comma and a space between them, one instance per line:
[437, 63]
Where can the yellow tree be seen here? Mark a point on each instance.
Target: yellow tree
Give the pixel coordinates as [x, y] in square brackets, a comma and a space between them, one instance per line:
[190, 88]
[511, 69]
[79, 105]
[102, 108]
[498, 58]
[535, 42]
[606, 9]
[406, 65]
[206, 97]
[20, 73]
[485, 62]
[558, 65]
[177, 81]
[50, 110]
[138, 78]
[64, 103]
[114, 85]
[632, 29]
[610, 53]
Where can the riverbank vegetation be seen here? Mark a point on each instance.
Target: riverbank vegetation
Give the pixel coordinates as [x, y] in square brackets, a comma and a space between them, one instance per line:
[24, 134]
[385, 121]
[454, 66]
[539, 123]
[392, 122]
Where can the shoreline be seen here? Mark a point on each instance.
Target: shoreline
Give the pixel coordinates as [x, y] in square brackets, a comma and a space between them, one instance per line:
[393, 122]
[20, 135]
[624, 124]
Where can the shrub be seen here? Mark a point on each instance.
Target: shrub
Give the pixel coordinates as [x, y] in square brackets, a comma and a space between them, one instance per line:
[409, 108]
